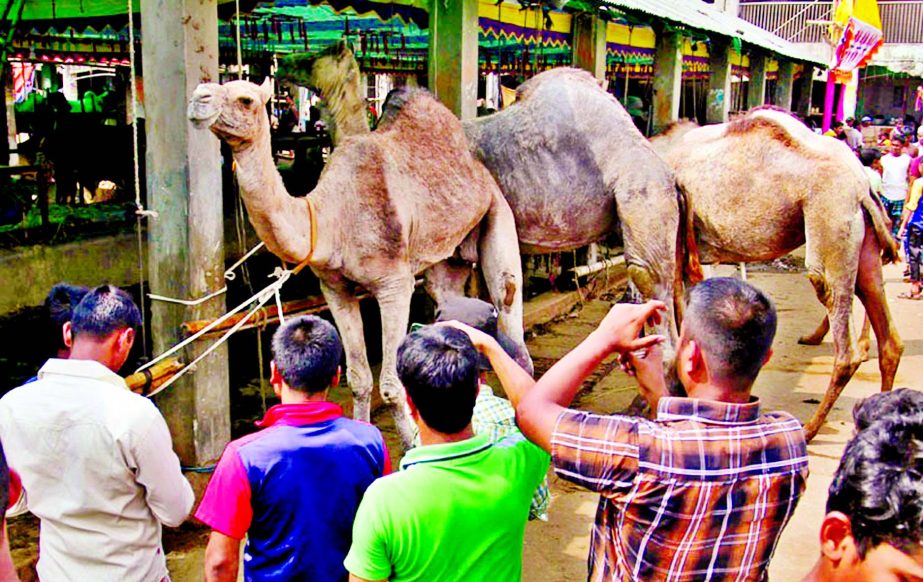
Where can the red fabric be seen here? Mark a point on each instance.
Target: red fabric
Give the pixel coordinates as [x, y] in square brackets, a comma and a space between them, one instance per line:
[16, 488]
[300, 414]
[226, 505]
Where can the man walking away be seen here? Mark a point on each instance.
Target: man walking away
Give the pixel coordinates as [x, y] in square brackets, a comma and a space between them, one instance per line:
[703, 491]
[895, 178]
[96, 460]
[292, 489]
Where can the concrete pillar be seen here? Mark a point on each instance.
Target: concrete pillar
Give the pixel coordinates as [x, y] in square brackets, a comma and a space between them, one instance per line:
[803, 106]
[668, 78]
[756, 89]
[784, 85]
[453, 55]
[590, 44]
[185, 242]
[718, 102]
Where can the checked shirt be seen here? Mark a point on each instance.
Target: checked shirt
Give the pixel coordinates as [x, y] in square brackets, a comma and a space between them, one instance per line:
[700, 493]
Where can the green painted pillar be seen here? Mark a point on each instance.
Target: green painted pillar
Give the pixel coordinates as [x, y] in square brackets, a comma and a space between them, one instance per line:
[668, 78]
[453, 54]
[590, 44]
[756, 89]
[784, 85]
[718, 101]
[185, 242]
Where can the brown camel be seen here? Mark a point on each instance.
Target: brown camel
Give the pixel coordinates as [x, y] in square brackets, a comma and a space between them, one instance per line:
[569, 161]
[381, 213]
[762, 186]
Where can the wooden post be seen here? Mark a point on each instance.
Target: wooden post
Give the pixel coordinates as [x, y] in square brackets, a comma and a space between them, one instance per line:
[756, 89]
[590, 44]
[784, 85]
[668, 78]
[185, 242]
[718, 102]
[453, 55]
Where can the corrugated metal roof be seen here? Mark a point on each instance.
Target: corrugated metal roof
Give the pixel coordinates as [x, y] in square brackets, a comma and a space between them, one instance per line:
[697, 14]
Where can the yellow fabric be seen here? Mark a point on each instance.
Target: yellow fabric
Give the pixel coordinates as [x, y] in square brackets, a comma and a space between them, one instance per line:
[864, 10]
[639, 36]
[916, 191]
[530, 18]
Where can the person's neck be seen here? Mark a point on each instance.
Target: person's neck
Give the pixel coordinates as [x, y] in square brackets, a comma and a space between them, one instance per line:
[816, 574]
[718, 393]
[100, 351]
[429, 436]
[289, 396]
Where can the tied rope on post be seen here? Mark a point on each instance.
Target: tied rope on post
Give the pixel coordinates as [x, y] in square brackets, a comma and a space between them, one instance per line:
[261, 298]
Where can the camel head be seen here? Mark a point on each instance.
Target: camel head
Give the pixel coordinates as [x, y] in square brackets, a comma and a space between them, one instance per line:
[323, 71]
[235, 111]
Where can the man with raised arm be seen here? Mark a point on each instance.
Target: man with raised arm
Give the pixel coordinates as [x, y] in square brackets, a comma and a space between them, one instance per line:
[703, 491]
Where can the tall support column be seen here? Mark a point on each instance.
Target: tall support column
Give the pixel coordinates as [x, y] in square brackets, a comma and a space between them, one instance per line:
[784, 85]
[718, 103]
[590, 44]
[453, 55]
[756, 89]
[668, 78]
[807, 86]
[185, 242]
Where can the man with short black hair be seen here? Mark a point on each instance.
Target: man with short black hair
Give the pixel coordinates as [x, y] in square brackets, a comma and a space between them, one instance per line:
[873, 529]
[703, 491]
[60, 304]
[457, 510]
[292, 489]
[96, 460]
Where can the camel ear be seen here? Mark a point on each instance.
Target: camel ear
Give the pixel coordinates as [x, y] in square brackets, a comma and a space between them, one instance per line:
[266, 90]
[342, 46]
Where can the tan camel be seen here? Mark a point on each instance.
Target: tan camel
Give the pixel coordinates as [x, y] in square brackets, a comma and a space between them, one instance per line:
[569, 161]
[762, 186]
[381, 213]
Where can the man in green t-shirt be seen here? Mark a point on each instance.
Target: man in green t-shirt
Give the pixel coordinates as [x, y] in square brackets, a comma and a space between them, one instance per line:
[458, 507]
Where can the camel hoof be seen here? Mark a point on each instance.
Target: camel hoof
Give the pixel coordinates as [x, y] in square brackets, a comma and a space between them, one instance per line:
[810, 431]
[810, 340]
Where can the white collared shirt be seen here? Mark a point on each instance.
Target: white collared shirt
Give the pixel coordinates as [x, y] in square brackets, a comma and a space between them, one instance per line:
[98, 468]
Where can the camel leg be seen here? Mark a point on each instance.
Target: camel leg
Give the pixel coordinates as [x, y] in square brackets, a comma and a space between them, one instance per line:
[817, 336]
[870, 289]
[394, 303]
[501, 265]
[446, 279]
[836, 292]
[345, 310]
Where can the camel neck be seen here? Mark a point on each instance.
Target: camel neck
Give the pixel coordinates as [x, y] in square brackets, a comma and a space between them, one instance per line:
[347, 107]
[281, 221]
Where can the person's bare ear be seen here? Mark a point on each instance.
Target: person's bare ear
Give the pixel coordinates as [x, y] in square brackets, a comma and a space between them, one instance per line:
[336, 378]
[410, 405]
[768, 356]
[275, 377]
[67, 333]
[127, 339]
[695, 361]
[836, 541]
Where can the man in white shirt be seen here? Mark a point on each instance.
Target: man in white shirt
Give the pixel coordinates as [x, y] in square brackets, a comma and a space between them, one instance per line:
[871, 163]
[895, 179]
[96, 461]
[853, 135]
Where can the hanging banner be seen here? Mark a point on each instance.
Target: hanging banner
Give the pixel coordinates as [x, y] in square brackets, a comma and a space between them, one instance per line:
[860, 38]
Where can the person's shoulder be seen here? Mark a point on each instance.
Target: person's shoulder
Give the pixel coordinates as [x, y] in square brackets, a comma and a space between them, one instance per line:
[781, 421]
[364, 431]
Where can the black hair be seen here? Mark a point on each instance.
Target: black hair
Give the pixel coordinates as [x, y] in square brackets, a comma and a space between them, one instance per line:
[104, 311]
[879, 484]
[438, 367]
[900, 403]
[734, 323]
[307, 352]
[60, 304]
[836, 124]
[868, 156]
[897, 137]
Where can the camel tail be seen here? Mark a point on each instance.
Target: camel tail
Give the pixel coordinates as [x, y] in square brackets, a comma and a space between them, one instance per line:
[687, 259]
[877, 218]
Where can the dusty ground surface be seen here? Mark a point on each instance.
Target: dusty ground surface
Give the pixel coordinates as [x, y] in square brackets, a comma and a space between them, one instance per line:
[793, 380]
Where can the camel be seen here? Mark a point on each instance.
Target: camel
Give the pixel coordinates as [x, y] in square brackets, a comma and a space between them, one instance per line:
[569, 161]
[762, 186]
[380, 214]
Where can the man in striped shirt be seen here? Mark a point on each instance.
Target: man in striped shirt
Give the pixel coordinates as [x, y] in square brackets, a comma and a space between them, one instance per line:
[703, 491]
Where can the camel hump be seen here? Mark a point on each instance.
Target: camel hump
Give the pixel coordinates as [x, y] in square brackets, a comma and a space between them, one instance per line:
[769, 124]
[556, 75]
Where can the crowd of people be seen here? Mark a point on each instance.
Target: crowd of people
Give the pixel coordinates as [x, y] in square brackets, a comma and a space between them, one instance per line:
[701, 491]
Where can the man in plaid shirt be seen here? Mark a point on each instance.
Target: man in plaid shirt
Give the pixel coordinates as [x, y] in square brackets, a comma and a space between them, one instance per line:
[703, 491]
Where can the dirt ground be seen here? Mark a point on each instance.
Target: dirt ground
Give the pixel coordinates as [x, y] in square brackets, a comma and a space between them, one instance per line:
[794, 380]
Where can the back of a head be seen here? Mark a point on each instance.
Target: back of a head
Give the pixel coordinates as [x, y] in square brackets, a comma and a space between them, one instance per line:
[104, 311]
[307, 352]
[904, 403]
[879, 485]
[438, 367]
[734, 324]
[60, 304]
[868, 156]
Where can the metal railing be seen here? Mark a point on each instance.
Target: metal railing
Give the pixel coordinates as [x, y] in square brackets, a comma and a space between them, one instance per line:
[902, 21]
